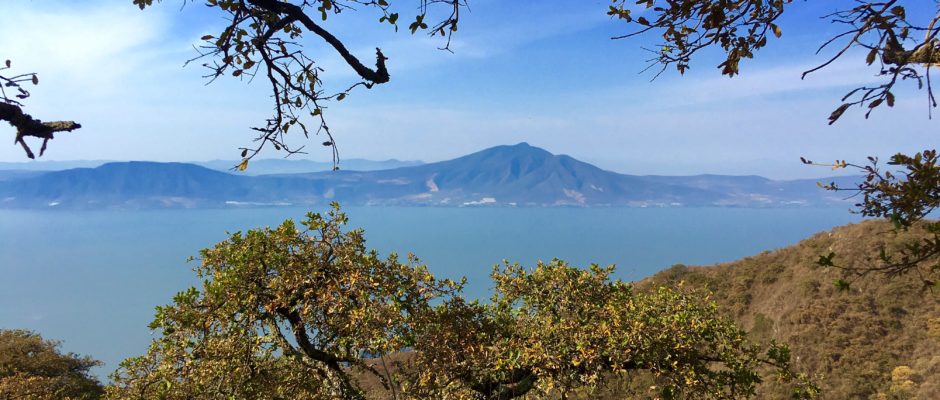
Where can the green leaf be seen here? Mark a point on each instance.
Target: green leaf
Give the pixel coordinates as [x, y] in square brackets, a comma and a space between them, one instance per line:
[826, 261]
[842, 285]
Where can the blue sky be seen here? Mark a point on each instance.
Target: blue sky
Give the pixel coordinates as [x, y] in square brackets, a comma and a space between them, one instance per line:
[544, 72]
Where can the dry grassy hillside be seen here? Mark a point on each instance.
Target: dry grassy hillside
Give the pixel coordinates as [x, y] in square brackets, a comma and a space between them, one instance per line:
[879, 339]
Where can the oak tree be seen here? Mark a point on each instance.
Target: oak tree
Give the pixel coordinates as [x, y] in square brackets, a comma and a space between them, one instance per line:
[311, 313]
[264, 39]
[290, 312]
[903, 45]
[556, 330]
[33, 368]
[12, 95]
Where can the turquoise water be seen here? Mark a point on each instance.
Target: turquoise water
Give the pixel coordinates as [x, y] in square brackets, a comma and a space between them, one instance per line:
[92, 279]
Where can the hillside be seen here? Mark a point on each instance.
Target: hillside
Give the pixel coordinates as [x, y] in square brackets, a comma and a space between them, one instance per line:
[518, 175]
[852, 339]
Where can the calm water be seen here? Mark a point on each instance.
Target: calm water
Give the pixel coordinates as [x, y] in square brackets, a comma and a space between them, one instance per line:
[92, 279]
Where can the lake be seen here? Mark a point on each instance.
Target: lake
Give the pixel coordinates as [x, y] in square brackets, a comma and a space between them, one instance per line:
[92, 278]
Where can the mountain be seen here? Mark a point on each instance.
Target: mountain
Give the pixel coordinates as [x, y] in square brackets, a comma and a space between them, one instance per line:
[518, 175]
[294, 166]
[258, 167]
[49, 165]
[853, 340]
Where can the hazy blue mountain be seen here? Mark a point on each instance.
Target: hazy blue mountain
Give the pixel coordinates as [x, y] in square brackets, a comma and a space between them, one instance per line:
[43, 165]
[6, 175]
[258, 167]
[295, 166]
[518, 175]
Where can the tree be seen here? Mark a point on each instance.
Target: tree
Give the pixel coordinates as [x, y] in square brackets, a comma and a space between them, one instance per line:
[33, 368]
[285, 313]
[905, 45]
[557, 330]
[11, 111]
[262, 39]
[906, 197]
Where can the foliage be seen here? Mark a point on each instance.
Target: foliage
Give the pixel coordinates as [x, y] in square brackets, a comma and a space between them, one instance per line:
[557, 330]
[12, 94]
[282, 313]
[905, 197]
[33, 368]
[263, 38]
[905, 45]
[850, 339]
[286, 313]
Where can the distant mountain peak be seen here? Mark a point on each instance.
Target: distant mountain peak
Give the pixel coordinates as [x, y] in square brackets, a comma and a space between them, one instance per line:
[517, 174]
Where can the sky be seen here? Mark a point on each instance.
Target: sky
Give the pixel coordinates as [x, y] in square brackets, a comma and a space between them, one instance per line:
[544, 72]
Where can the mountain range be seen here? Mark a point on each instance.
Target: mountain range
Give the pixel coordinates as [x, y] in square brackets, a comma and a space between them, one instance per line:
[517, 175]
[258, 167]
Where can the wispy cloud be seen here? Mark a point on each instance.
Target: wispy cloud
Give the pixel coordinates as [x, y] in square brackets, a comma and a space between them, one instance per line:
[90, 49]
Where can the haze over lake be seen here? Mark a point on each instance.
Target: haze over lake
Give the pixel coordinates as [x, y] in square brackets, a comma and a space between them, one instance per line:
[92, 278]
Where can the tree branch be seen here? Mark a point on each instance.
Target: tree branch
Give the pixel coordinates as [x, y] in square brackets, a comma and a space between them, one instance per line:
[294, 12]
[26, 125]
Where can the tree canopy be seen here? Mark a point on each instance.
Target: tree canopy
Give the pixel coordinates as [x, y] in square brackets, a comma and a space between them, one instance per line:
[33, 368]
[310, 313]
[904, 45]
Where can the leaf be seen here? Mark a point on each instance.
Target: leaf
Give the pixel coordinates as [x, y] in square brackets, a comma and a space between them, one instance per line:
[890, 98]
[871, 56]
[842, 285]
[826, 261]
[207, 37]
[838, 113]
[243, 165]
[35, 79]
[341, 97]
[236, 72]
[898, 11]
[8, 63]
[776, 29]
